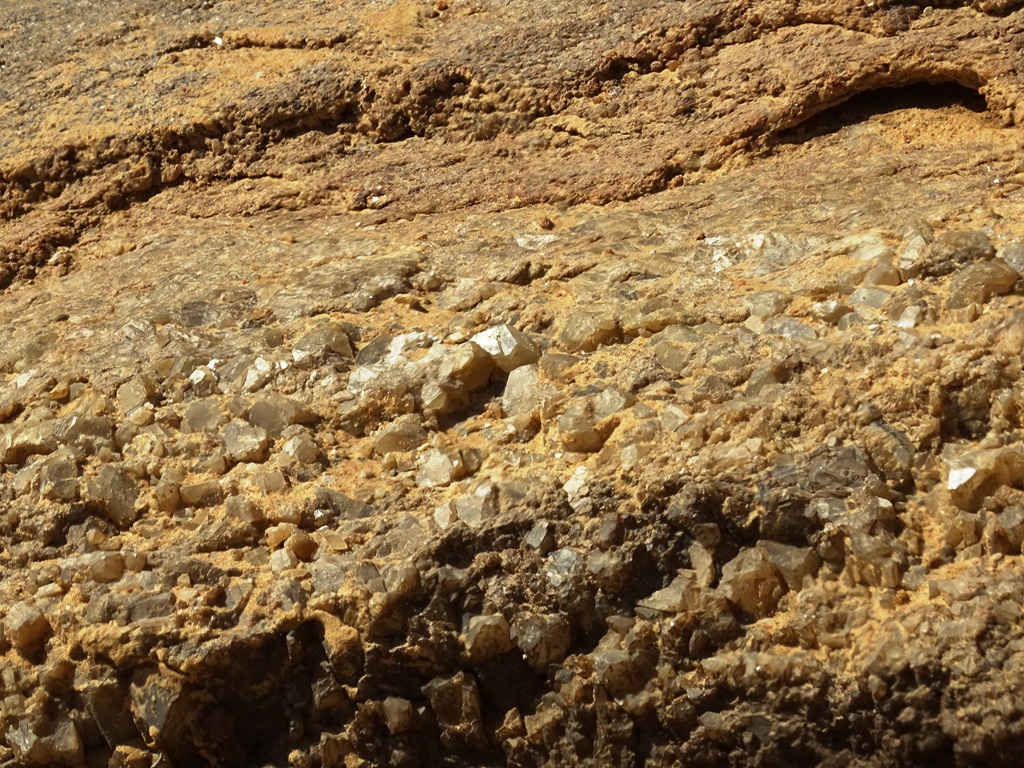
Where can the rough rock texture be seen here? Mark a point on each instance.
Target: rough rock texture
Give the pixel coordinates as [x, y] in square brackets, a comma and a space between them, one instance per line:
[498, 383]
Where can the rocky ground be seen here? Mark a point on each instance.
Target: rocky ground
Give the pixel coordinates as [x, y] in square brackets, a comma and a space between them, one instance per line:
[485, 383]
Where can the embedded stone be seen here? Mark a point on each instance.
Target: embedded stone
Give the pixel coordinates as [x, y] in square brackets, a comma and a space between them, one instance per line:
[456, 704]
[510, 348]
[245, 442]
[86, 433]
[522, 392]
[977, 283]
[683, 594]
[322, 342]
[204, 416]
[974, 474]
[135, 393]
[794, 563]
[27, 627]
[58, 476]
[203, 493]
[439, 468]
[301, 448]
[487, 637]
[586, 330]
[114, 490]
[751, 582]
[34, 438]
[544, 639]
[275, 412]
[399, 436]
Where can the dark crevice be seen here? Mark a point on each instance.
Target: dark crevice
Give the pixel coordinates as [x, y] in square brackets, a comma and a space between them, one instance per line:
[867, 104]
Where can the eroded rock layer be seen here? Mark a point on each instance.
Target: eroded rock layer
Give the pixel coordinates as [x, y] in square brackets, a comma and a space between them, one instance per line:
[481, 383]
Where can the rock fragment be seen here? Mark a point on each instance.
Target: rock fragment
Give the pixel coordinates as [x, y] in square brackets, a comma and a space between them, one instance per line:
[116, 493]
[586, 330]
[26, 627]
[509, 347]
[135, 393]
[33, 438]
[327, 339]
[245, 442]
[979, 282]
[399, 436]
[487, 637]
[58, 476]
[456, 704]
[751, 582]
[274, 413]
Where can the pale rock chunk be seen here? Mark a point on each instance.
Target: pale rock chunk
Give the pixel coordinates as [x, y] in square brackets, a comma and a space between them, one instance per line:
[565, 569]
[457, 372]
[683, 594]
[398, 714]
[302, 449]
[789, 328]
[399, 436]
[883, 273]
[1013, 254]
[135, 393]
[456, 704]
[586, 330]
[510, 348]
[760, 378]
[242, 508]
[945, 254]
[578, 492]
[203, 493]
[439, 468]
[974, 474]
[106, 567]
[979, 282]
[204, 382]
[767, 303]
[870, 297]
[618, 671]
[523, 393]
[282, 560]
[540, 538]
[829, 310]
[1004, 532]
[487, 637]
[544, 639]
[702, 561]
[794, 563]
[319, 344]
[751, 582]
[33, 438]
[609, 570]
[872, 560]
[26, 627]
[584, 426]
[167, 491]
[274, 413]
[85, 433]
[62, 746]
[58, 476]
[245, 442]
[890, 449]
[116, 493]
[270, 481]
[204, 415]
[477, 508]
